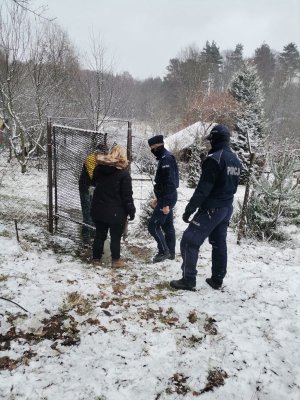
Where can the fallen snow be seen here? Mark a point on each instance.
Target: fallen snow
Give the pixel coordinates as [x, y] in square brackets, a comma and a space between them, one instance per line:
[144, 340]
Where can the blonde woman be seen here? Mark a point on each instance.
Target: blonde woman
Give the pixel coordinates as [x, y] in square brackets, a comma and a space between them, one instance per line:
[112, 202]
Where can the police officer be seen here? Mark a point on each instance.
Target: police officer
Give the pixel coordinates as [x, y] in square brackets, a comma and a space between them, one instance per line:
[213, 200]
[161, 225]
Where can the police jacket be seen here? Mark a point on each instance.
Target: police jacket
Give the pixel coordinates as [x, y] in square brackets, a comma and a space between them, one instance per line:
[166, 179]
[85, 179]
[219, 180]
[112, 199]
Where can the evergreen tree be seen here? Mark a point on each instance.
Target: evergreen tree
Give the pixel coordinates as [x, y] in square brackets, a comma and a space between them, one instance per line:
[289, 61]
[246, 89]
[185, 78]
[265, 64]
[195, 162]
[233, 63]
[145, 215]
[213, 61]
[275, 198]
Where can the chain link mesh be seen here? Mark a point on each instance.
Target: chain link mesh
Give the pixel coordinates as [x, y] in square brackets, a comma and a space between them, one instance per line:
[71, 146]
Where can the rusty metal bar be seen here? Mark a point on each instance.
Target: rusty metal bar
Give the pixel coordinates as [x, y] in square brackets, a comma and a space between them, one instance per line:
[55, 177]
[129, 141]
[50, 175]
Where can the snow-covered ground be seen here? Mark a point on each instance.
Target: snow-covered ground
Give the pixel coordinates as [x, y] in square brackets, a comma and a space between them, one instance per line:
[97, 333]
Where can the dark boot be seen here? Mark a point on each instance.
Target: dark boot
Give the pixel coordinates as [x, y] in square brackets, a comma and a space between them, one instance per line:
[161, 257]
[214, 284]
[183, 284]
[172, 256]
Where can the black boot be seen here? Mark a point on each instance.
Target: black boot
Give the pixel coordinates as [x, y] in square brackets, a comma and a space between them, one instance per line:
[214, 284]
[183, 284]
[172, 256]
[161, 257]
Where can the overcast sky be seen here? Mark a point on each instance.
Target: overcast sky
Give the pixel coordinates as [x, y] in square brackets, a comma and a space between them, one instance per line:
[143, 35]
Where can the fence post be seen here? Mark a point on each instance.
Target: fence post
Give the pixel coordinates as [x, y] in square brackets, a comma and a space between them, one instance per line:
[54, 147]
[50, 175]
[129, 143]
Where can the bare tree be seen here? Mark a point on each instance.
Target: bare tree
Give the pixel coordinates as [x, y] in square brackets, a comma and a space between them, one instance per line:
[51, 66]
[97, 86]
[14, 40]
[38, 12]
[217, 107]
[34, 65]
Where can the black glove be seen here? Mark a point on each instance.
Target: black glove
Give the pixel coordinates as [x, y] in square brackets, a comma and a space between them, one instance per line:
[131, 217]
[186, 216]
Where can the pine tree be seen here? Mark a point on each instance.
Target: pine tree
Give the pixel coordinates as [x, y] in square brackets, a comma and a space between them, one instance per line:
[246, 89]
[289, 61]
[265, 64]
[275, 199]
[195, 161]
[233, 63]
[145, 214]
[213, 60]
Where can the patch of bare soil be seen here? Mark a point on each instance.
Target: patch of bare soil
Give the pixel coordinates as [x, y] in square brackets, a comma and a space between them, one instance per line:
[216, 377]
[10, 364]
[178, 384]
[210, 327]
[53, 329]
[139, 252]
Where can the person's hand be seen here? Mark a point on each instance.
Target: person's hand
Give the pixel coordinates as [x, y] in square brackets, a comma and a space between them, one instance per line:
[153, 203]
[186, 217]
[131, 217]
[166, 210]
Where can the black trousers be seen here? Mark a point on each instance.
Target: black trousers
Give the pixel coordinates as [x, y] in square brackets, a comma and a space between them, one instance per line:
[116, 231]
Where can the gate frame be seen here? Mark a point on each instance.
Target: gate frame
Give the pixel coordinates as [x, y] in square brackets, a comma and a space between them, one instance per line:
[52, 172]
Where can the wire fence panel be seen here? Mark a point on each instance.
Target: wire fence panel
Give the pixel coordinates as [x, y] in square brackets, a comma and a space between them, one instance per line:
[71, 146]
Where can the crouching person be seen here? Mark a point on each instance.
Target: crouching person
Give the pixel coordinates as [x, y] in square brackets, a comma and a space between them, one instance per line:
[112, 203]
[212, 200]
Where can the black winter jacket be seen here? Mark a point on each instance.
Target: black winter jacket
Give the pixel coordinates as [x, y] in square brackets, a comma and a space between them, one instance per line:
[166, 179]
[219, 180]
[112, 200]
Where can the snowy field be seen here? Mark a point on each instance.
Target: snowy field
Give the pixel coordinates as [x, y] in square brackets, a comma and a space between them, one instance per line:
[102, 334]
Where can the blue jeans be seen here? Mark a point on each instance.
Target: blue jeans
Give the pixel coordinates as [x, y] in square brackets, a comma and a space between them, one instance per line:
[86, 232]
[161, 227]
[212, 224]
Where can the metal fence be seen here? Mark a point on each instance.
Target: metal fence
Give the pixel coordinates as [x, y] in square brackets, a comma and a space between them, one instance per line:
[68, 146]
[47, 194]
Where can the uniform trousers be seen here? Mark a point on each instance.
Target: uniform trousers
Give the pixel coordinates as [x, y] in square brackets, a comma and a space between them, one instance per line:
[211, 224]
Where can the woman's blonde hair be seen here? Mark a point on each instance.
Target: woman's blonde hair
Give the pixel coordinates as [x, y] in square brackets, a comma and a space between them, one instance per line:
[117, 157]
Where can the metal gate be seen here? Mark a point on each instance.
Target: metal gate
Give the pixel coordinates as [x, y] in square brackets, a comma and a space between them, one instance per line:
[68, 147]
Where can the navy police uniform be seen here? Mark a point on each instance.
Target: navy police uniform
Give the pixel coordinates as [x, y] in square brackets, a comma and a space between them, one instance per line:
[161, 226]
[212, 200]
